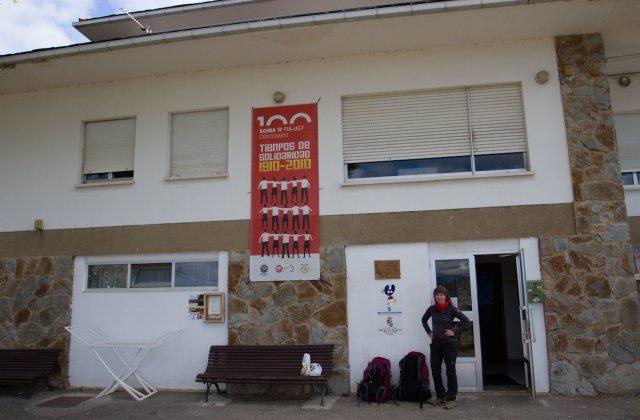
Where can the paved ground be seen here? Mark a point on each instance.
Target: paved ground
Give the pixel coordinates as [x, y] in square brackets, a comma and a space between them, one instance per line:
[184, 405]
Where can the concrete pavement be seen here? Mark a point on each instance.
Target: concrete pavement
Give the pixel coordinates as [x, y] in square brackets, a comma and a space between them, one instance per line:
[185, 405]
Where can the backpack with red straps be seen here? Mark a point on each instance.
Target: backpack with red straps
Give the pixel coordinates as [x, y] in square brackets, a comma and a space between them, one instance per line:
[414, 379]
[376, 381]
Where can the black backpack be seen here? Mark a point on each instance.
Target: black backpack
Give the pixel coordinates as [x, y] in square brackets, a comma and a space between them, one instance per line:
[414, 379]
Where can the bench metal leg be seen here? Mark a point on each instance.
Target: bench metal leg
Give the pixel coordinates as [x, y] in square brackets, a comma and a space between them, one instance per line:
[323, 391]
[217, 388]
[206, 396]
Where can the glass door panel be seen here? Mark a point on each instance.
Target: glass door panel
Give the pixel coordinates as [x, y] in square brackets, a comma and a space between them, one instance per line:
[457, 274]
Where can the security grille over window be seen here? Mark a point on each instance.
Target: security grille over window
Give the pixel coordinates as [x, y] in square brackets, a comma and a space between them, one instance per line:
[480, 128]
[108, 149]
[199, 143]
[628, 133]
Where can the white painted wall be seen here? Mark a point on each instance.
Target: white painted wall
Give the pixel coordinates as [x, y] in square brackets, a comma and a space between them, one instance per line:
[364, 297]
[414, 293]
[627, 99]
[139, 315]
[41, 138]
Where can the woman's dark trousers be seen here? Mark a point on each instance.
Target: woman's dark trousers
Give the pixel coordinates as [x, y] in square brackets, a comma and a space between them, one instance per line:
[447, 352]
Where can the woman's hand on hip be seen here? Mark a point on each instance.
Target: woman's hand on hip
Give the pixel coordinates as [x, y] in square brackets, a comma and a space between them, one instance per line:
[448, 333]
[430, 335]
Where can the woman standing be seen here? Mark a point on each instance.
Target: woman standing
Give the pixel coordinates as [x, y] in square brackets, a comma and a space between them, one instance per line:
[444, 344]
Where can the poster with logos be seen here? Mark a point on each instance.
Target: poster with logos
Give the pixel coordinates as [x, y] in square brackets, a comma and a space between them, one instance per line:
[285, 240]
[389, 312]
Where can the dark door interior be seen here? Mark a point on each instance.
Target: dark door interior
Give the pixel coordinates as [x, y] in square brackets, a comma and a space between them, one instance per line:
[500, 333]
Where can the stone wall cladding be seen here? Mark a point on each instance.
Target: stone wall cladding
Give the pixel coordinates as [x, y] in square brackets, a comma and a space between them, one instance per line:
[35, 306]
[293, 312]
[591, 313]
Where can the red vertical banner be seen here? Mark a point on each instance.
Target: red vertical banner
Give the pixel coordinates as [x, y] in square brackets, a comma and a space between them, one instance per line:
[285, 242]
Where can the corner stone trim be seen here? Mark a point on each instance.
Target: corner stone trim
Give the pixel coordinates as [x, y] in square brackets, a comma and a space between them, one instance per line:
[592, 314]
[35, 306]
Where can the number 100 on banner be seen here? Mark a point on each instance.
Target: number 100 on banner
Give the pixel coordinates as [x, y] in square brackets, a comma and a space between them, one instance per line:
[285, 240]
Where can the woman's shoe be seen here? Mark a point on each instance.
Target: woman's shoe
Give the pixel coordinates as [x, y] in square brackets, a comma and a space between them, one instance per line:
[450, 405]
[436, 402]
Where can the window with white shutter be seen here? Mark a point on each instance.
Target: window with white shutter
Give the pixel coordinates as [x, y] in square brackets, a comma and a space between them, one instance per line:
[628, 134]
[199, 144]
[108, 150]
[461, 130]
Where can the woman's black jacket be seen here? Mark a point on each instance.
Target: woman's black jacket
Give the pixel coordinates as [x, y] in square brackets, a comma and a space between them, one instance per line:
[444, 321]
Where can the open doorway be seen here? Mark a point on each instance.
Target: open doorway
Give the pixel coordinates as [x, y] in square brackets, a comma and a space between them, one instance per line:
[500, 328]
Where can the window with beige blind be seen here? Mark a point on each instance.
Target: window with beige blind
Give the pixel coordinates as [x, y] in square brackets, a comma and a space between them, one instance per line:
[464, 130]
[199, 144]
[108, 150]
[628, 134]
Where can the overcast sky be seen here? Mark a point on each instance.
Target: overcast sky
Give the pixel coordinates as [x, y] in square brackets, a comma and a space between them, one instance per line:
[31, 24]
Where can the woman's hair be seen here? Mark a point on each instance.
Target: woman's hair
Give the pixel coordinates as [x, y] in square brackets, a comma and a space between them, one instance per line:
[444, 291]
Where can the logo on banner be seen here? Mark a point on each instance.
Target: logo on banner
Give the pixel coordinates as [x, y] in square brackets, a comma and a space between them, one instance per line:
[278, 268]
[264, 268]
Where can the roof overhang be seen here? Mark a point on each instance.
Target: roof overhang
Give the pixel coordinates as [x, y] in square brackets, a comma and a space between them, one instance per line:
[325, 35]
[214, 13]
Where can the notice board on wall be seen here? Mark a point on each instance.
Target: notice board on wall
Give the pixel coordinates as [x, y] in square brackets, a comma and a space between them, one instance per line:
[285, 242]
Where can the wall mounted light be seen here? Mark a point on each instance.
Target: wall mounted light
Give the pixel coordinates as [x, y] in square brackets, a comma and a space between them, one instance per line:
[624, 81]
[278, 97]
[542, 77]
[38, 224]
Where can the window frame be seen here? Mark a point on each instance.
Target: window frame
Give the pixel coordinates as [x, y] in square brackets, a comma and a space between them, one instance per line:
[146, 259]
[636, 169]
[636, 179]
[83, 147]
[168, 176]
[526, 170]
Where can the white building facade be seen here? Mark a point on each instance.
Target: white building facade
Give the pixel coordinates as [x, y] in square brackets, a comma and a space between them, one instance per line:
[90, 142]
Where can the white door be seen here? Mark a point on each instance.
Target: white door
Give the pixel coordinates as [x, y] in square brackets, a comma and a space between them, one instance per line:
[458, 274]
[526, 326]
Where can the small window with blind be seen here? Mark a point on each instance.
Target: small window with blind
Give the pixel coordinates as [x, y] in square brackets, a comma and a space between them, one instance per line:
[477, 129]
[108, 150]
[199, 144]
[628, 133]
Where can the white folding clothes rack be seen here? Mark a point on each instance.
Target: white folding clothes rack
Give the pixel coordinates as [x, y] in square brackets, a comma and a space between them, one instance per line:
[95, 341]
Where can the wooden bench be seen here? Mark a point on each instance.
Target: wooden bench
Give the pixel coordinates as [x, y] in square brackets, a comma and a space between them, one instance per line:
[266, 365]
[27, 366]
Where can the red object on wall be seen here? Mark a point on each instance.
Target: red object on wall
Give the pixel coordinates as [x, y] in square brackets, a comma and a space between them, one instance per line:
[284, 193]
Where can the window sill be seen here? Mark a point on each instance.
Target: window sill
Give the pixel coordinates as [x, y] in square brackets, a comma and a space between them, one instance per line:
[153, 289]
[105, 183]
[186, 178]
[631, 187]
[430, 178]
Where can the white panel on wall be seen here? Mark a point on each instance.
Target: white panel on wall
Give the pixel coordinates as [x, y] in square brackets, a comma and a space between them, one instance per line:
[140, 315]
[365, 298]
